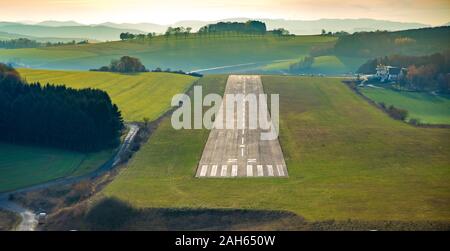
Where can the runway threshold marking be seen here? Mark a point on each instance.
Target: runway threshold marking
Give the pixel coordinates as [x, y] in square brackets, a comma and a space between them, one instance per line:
[249, 170]
[203, 171]
[270, 170]
[234, 169]
[214, 170]
[260, 170]
[280, 170]
[224, 171]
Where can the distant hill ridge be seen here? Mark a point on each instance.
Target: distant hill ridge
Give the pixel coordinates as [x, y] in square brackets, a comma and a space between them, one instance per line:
[111, 31]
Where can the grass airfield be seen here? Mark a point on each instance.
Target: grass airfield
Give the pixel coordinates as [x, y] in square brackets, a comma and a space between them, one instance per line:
[346, 160]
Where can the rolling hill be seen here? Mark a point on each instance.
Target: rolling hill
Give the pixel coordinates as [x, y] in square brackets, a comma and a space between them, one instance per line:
[9, 36]
[137, 95]
[102, 33]
[186, 53]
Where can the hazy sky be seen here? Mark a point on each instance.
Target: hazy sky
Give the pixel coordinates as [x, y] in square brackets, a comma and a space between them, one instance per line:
[433, 12]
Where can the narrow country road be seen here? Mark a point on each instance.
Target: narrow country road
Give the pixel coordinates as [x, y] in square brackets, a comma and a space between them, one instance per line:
[29, 222]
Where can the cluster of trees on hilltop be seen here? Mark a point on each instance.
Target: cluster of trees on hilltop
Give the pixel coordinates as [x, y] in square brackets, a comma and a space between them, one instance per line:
[383, 43]
[178, 31]
[130, 36]
[27, 43]
[247, 27]
[125, 64]
[430, 72]
[56, 116]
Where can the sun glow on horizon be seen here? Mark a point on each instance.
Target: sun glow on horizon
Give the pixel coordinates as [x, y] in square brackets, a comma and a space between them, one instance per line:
[434, 12]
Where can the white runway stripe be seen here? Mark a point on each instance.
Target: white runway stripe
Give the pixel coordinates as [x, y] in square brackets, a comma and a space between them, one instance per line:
[234, 170]
[249, 170]
[280, 170]
[214, 170]
[269, 170]
[224, 171]
[260, 170]
[203, 170]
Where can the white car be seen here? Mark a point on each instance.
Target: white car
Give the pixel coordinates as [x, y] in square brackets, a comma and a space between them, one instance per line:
[41, 218]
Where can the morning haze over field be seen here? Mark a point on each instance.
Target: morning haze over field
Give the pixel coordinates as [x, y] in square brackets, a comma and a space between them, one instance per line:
[90, 90]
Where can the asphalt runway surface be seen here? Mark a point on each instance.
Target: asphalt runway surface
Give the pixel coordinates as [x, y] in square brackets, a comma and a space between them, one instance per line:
[240, 152]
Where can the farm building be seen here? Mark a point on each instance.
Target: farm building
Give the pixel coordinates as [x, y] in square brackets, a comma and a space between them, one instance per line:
[389, 73]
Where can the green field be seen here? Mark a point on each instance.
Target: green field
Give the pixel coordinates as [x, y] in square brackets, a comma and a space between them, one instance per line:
[191, 53]
[331, 65]
[346, 159]
[22, 166]
[137, 95]
[428, 108]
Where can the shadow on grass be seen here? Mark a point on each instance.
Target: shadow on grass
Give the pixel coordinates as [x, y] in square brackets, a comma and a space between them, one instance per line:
[112, 214]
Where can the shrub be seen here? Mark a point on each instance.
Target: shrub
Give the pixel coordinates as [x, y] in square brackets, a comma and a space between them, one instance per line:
[397, 113]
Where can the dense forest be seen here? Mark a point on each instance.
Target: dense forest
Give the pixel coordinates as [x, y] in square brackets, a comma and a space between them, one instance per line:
[430, 72]
[56, 116]
[382, 43]
[27, 43]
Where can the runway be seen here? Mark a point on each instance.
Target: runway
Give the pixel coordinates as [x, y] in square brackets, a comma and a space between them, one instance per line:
[240, 152]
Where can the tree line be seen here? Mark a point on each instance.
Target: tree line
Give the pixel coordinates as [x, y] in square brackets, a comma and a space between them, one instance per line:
[221, 28]
[430, 72]
[56, 116]
[27, 43]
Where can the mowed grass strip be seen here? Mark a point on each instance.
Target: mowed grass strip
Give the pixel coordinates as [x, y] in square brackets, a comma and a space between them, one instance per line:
[22, 166]
[346, 160]
[426, 107]
[137, 95]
